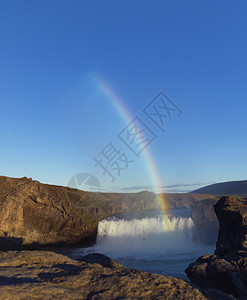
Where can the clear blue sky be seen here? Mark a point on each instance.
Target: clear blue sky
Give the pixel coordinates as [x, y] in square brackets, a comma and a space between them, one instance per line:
[54, 118]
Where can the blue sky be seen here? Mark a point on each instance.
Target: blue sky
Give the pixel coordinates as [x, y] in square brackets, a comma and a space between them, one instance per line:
[55, 118]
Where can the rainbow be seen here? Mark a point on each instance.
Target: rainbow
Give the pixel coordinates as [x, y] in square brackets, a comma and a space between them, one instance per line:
[108, 92]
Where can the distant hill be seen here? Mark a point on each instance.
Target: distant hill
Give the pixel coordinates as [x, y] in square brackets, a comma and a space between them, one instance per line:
[235, 188]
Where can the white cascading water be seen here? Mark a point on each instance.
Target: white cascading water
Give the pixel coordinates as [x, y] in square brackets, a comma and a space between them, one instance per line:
[140, 236]
[159, 244]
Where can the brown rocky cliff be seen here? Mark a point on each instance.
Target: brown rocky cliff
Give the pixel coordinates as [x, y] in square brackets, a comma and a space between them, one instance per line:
[203, 211]
[36, 214]
[227, 269]
[43, 214]
[232, 214]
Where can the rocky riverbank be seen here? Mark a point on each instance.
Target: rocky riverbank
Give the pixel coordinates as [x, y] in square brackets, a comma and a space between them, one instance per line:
[34, 215]
[48, 275]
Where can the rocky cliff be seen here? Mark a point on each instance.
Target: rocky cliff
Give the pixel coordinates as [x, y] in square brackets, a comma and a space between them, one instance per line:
[232, 215]
[205, 220]
[227, 269]
[33, 214]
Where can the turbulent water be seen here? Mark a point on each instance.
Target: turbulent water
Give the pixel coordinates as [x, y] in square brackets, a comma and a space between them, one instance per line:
[150, 241]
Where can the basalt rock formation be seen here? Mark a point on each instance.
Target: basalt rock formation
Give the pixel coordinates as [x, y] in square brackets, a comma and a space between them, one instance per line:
[232, 215]
[205, 220]
[33, 214]
[226, 270]
[203, 212]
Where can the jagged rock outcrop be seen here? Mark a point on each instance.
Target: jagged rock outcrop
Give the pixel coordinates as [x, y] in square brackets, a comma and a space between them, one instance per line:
[227, 269]
[226, 274]
[232, 214]
[47, 275]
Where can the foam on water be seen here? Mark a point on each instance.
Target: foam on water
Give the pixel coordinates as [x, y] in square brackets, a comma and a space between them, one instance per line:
[144, 236]
[147, 244]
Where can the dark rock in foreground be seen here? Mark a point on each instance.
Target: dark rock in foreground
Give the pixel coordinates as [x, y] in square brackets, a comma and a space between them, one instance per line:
[225, 274]
[232, 215]
[227, 269]
[100, 259]
[47, 275]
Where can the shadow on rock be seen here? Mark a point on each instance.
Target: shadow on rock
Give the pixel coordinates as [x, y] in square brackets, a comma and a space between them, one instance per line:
[66, 270]
[10, 243]
[16, 280]
[227, 269]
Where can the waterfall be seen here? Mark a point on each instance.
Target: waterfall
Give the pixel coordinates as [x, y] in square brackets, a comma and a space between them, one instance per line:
[150, 234]
[150, 241]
